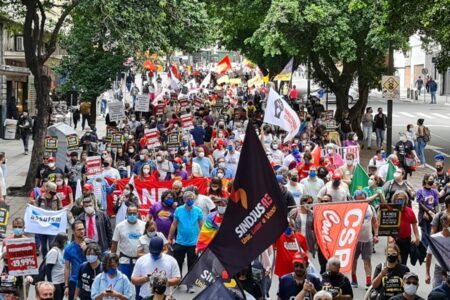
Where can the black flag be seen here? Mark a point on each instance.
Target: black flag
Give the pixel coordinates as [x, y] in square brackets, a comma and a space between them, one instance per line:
[256, 215]
[216, 291]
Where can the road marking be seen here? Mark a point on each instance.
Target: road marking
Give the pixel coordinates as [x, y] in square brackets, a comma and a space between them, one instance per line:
[407, 114]
[440, 116]
[425, 115]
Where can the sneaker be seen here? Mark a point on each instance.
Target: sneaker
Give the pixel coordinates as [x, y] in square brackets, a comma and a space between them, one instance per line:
[190, 290]
[25, 153]
[354, 284]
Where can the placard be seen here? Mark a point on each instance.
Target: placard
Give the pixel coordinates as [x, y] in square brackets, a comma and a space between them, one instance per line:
[173, 96]
[173, 139]
[72, 142]
[51, 143]
[160, 108]
[22, 258]
[142, 103]
[93, 165]
[326, 115]
[187, 121]
[198, 102]
[389, 216]
[116, 111]
[219, 103]
[117, 140]
[153, 138]
[184, 102]
[4, 216]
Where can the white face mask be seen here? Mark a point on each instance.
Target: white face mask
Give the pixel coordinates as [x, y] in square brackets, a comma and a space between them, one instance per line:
[51, 165]
[371, 182]
[397, 175]
[221, 165]
[59, 183]
[158, 158]
[89, 210]
[330, 151]
[141, 157]
[220, 175]
[275, 147]
[221, 209]
[355, 138]
[126, 192]
[403, 139]
[410, 289]
[201, 154]
[349, 162]
[146, 171]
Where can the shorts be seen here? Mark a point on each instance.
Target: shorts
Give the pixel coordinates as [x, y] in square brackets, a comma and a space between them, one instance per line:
[364, 249]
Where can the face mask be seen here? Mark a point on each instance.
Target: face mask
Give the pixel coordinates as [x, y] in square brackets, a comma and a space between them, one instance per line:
[53, 193]
[392, 258]
[132, 218]
[355, 138]
[151, 234]
[410, 289]
[108, 149]
[400, 201]
[112, 271]
[131, 151]
[91, 258]
[439, 168]
[169, 201]
[230, 148]
[220, 175]
[221, 209]
[336, 183]
[371, 182]
[184, 159]
[221, 165]
[201, 154]
[190, 202]
[430, 183]
[18, 231]
[159, 289]
[105, 164]
[51, 165]
[330, 151]
[294, 178]
[126, 192]
[397, 175]
[146, 171]
[275, 147]
[349, 161]
[159, 159]
[333, 274]
[288, 231]
[295, 151]
[312, 174]
[89, 210]
[59, 183]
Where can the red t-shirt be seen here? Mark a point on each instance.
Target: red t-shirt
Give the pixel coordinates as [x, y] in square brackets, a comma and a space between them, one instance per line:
[408, 218]
[286, 247]
[63, 192]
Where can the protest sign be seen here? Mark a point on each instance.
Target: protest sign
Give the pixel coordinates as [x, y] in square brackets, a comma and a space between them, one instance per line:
[116, 111]
[389, 216]
[117, 140]
[152, 138]
[142, 103]
[184, 102]
[72, 142]
[173, 139]
[326, 115]
[173, 96]
[4, 216]
[160, 109]
[93, 165]
[186, 121]
[198, 102]
[219, 103]
[51, 143]
[22, 258]
[42, 221]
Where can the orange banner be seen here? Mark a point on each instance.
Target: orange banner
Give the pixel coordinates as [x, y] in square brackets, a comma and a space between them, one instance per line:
[337, 227]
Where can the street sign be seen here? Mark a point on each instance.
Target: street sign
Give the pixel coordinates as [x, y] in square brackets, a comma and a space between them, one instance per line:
[391, 87]
[424, 71]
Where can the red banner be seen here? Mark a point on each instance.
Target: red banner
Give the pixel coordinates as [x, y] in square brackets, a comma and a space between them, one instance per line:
[149, 191]
[337, 227]
[186, 121]
[22, 258]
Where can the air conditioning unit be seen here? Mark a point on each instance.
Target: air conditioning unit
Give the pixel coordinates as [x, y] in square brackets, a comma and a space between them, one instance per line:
[19, 43]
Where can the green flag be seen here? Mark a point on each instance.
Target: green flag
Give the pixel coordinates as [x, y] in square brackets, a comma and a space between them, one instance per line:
[360, 179]
[390, 172]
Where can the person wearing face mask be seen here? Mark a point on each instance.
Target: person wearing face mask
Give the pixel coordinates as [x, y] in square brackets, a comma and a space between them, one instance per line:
[198, 133]
[312, 183]
[294, 187]
[336, 283]
[100, 189]
[54, 265]
[406, 154]
[336, 188]
[277, 154]
[305, 165]
[428, 200]
[411, 134]
[441, 178]
[388, 276]
[178, 172]
[380, 125]
[303, 220]
[52, 170]
[298, 283]
[124, 200]
[111, 283]
[25, 125]
[408, 225]
[202, 201]
[374, 192]
[205, 165]
[163, 166]
[384, 169]
[211, 225]
[266, 136]
[228, 173]
[367, 125]
[108, 170]
[220, 150]
[351, 140]
[140, 129]
[162, 212]
[89, 142]
[74, 171]
[348, 169]
[410, 286]
[188, 220]
[398, 184]
[152, 265]
[63, 192]
[216, 189]
[232, 158]
[335, 159]
[150, 232]
[287, 245]
[88, 271]
[441, 291]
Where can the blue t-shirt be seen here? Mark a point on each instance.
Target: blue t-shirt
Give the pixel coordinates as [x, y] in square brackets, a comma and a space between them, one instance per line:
[443, 290]
[198, 133]
[75, 255]
[288, 288]
[188, 227]
[205, 165]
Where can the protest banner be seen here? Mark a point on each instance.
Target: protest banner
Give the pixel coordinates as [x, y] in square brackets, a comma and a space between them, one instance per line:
[4, 216]
[342, 151]
[142, 103]
[51, 143]
[93, 165]
[152, 138]
[173, 139]
[389, 216]
[337, 227]
[198, 102]
[160, 109]
[327, 115]
[187, 121]
[116, 111]
[117, 140]
[184, 102]
[42, 221]
[22, 259]
[72, 142]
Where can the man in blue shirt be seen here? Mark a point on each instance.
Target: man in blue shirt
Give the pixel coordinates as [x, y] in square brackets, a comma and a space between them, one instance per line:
[188, 220]
[74, 257]
[227, 173]
[198, 133]
[144, 158]
[442, 291]
[205, 163]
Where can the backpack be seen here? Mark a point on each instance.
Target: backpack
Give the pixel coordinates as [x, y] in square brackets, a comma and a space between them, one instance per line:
[426, 134]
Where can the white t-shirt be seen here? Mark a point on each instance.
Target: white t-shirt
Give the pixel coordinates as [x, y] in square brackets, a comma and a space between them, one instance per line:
[127, 235]
[144, 241]
[111, 173]
[312, 187]
[365, 234]
[56, 257]
[147, 265]
[231, 161]
[296, 191]
[205, 204]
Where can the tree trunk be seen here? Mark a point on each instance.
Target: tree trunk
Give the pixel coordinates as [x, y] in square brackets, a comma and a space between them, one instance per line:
[357, 111]
[341, 103]
[93, 116]
[42, 86]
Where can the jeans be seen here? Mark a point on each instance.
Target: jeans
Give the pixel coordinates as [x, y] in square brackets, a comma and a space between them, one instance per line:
[367, 139]
[25, 137]
[84, 118]
[127, 269]
[433, 97]
[380, 137]
[72, 286]
[180, 251]
[45, 242]
[426, 227]
[103, 106]
[420, 149]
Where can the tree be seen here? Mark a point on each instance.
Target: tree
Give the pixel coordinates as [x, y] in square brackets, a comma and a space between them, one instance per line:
[40, 42]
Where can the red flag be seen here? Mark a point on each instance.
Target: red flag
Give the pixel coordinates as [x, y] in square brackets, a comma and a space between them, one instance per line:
[148, 65]
[223, 65]
[175, 71]
[337, 227]
[316, 154]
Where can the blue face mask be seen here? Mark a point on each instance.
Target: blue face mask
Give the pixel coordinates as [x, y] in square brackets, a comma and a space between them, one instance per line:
[306, 162]
[312, 174]
[383, 155]
[18, 231]
[288, 231]
[184, 159]
[400, 201]
[190, 202]
[156, 256]
[184, 143]
[91, 258]
[230, 148]
[295, 151]
[132, 218]
[169, 201]
[112, 271]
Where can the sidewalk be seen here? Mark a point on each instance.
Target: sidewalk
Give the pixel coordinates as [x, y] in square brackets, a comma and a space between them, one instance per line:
[444, 99]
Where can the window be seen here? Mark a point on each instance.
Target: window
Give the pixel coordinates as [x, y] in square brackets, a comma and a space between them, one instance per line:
[18, 43]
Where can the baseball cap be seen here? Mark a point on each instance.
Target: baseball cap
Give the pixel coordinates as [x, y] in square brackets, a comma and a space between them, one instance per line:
[409, 275]
[51, 159]
[337, 176]
[300, 257]
[88, 187]
[156, 245]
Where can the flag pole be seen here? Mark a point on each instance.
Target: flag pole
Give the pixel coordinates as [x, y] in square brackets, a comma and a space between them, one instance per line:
[337, 202]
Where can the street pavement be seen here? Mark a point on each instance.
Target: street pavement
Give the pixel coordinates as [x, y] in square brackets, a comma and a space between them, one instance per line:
[436, 117]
